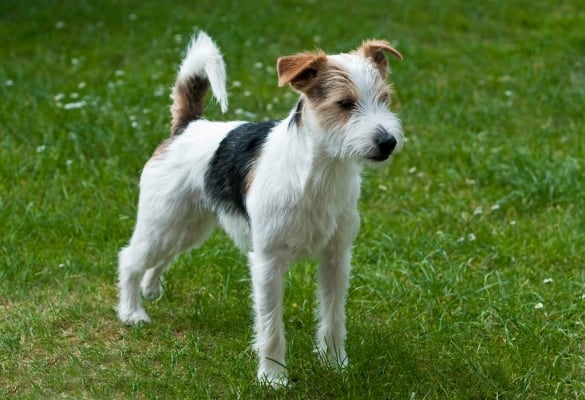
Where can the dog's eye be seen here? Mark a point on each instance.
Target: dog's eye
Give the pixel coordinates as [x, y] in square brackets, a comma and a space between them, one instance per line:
[385, 98]
[346, 104]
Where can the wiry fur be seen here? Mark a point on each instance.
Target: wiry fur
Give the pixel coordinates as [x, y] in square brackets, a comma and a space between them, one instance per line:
[283, 190]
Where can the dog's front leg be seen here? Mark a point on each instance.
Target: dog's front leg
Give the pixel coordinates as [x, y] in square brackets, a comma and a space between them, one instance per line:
[333, 277]
[333, 285]
[269, 342]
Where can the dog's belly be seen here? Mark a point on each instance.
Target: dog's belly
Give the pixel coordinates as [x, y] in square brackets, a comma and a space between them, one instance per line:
[301, 235]
[237, 227]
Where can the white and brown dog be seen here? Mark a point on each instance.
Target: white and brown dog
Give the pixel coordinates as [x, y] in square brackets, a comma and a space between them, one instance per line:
[283, 190]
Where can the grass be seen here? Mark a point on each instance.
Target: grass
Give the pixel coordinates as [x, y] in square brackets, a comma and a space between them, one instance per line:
[468, 278]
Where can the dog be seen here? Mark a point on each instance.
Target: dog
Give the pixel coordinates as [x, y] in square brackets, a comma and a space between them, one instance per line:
[283, 190]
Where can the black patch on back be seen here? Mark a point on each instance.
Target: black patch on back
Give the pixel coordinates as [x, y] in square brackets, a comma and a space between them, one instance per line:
[225, 179]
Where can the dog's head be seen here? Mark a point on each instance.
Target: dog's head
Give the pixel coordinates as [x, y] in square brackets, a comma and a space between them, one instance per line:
[346, 99]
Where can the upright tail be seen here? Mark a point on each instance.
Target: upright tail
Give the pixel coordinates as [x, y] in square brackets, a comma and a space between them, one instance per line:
[202, 67]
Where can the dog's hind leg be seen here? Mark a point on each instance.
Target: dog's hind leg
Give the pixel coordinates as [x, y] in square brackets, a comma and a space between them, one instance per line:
[194, 234]
[157, 239]
[142, 253]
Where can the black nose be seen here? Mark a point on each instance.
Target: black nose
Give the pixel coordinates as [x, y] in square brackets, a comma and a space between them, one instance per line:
[386, 143]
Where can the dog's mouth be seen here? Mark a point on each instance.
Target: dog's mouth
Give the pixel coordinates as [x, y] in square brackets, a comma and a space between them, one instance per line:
[379, 157]
[385, 145]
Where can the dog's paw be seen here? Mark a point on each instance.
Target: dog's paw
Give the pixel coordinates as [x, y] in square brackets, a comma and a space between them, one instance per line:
[153, 291]
[273, 378]
[133, 317]
[333, 359]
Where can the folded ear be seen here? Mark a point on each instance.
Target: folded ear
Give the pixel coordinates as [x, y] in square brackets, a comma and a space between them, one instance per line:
[300, 70]
[374, 50]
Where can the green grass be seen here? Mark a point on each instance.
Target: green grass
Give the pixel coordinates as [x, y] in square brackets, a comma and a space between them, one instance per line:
[448, 297]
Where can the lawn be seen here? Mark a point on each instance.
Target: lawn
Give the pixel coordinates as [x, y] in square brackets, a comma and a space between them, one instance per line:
[468, 279]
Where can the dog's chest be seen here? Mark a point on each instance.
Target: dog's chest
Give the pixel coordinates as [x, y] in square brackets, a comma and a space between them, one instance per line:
[313, 223]
[304, 219]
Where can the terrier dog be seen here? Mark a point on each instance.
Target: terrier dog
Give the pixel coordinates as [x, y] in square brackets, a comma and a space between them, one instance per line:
[283, 190]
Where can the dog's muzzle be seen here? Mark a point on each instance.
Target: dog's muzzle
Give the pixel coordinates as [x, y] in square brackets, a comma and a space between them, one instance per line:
[385, 144]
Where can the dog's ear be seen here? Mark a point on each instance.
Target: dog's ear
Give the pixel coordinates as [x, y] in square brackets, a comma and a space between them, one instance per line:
[300, 70]
[374, 51]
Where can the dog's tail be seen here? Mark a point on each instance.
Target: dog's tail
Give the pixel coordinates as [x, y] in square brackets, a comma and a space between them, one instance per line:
[202, 67]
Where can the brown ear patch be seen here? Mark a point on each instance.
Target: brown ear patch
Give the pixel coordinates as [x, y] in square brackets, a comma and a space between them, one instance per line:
[300, 70]
[375, 51]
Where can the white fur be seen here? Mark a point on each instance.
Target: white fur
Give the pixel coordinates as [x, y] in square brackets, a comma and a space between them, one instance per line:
[302, 203]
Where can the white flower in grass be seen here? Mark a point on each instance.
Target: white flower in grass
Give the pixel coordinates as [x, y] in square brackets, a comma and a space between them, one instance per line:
[245, 114]
[74, 105]
[59, 97]
[478, 211]
[9, 82]
[258, 65]
[471, 237]
[75, 61]
[81, 85]
[548, 281]
[159, 91]
[538, 306]
[133, 121]
[41, 148]
[495, 207]
[513, 222]
[236, 84]
[383, 187]
[119, 72]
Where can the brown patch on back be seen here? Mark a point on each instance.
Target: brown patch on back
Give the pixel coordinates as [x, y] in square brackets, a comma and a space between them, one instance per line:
[187, 103]
[160, 151]
[250, 178]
